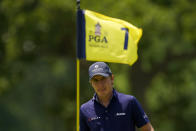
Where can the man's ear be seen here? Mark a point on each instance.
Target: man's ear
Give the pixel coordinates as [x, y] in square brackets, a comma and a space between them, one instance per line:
[112, 78]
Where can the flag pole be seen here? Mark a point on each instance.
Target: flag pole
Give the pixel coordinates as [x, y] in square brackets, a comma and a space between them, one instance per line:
[78, 95]
[78, 83]
[78, 4]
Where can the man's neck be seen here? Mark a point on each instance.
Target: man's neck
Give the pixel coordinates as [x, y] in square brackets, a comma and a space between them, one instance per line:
[105, 100]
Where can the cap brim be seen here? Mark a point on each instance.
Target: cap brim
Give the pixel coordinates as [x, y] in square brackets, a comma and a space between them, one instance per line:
[102, 74]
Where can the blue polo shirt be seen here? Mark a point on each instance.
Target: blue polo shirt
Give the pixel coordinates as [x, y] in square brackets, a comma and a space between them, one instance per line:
[122, 114]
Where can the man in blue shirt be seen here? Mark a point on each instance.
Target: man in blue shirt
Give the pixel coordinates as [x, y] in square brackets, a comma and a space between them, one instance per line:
[110, 110]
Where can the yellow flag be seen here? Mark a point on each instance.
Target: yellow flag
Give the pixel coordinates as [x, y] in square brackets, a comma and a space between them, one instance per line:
[103, 38]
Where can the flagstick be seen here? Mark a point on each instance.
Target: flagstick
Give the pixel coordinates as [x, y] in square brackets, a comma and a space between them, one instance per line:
[78, 96]
[78, 84]
[78, 4]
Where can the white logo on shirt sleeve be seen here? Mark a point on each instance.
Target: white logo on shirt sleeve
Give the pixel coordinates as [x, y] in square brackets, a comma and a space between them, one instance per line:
[145, 116]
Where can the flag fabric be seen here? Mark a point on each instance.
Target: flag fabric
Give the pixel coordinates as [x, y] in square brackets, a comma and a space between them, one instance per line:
[103, 38]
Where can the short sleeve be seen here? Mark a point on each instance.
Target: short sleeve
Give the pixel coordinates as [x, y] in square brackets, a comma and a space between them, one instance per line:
[139, 116]
[83, 124]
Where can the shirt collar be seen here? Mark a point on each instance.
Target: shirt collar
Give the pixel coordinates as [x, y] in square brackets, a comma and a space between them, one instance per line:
[114, 96]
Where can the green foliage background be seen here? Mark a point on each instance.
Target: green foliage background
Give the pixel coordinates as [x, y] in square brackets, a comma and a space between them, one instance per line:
[38, 66]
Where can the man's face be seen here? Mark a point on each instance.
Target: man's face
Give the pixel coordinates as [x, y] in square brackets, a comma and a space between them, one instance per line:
[102, 85]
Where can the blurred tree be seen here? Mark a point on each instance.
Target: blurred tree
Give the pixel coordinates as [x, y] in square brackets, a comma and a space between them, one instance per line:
[37, 79]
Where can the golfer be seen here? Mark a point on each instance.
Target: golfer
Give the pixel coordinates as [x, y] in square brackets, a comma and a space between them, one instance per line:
[110, 110]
